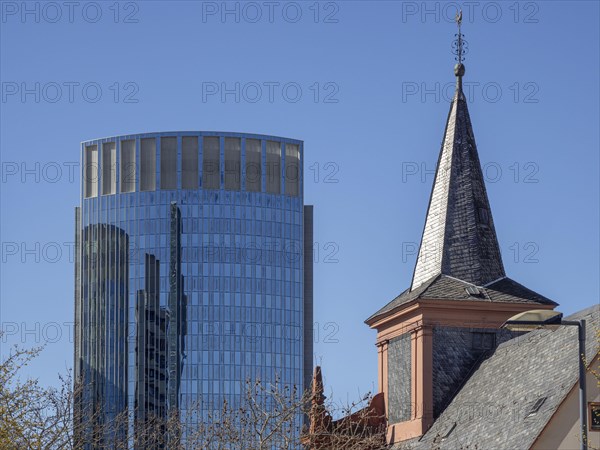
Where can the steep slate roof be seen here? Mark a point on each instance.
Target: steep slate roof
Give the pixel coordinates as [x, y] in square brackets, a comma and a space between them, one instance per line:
[443, 287]
[490, 411]
[459, 246]
[459, 238]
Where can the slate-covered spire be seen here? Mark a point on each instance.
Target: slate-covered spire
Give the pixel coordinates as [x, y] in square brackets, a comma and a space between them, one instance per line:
[459, 238]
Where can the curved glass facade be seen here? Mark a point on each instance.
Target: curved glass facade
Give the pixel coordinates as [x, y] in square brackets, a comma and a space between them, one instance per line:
[192, 271]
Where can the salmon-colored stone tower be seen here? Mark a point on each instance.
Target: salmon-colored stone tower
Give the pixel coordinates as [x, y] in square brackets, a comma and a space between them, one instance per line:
[433, 335]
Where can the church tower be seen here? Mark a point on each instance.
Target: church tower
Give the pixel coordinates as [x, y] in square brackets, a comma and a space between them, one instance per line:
[434, 334]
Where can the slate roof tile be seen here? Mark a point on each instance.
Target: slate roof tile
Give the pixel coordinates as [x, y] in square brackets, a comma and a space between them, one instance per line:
[491, 410]
[443, 287]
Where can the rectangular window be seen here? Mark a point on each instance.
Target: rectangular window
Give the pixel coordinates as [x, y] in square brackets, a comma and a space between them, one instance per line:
[91, 171]
[189, 162]
[148, 165]
[109, 168]
[233, 163]
[273, 167]
[127, 167]
[211, 158]
[168, 163]
[253, 165]
[594, 416]
[292, 169]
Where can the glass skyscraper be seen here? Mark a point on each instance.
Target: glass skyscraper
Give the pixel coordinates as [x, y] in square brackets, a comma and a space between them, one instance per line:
[193, 272]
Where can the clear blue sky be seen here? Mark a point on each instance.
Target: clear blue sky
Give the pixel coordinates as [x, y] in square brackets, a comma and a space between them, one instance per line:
[372, 110]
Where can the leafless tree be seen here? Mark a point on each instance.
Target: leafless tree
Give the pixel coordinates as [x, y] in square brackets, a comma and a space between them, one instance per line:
[269, 415]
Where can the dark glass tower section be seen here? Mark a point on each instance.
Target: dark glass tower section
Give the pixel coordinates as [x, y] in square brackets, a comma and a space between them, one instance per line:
[101, 349]
[150, 355]
[193, 274]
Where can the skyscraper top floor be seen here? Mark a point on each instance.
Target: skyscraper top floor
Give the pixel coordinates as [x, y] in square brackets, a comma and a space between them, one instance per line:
[192, 160]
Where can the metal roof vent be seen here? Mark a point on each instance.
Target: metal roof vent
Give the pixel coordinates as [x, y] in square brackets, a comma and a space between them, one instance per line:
[474, 291]
[536, 406]
[450, 430]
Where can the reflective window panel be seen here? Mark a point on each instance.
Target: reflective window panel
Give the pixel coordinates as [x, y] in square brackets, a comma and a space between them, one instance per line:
[253, 165]
[211, 163]
[127, 168]
[148, 164]
[273, 167]
[168, 163]
[90, 172]
[109, 168]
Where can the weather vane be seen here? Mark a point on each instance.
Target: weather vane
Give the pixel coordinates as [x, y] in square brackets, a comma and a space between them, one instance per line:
[459, 46]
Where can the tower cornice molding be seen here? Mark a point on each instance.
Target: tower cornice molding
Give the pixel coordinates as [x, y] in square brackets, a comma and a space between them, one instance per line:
[446, 313]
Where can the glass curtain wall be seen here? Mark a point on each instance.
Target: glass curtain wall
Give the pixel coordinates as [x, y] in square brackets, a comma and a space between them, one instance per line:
[191, 273]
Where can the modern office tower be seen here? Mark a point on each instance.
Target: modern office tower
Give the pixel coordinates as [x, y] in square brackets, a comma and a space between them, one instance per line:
[193, 274]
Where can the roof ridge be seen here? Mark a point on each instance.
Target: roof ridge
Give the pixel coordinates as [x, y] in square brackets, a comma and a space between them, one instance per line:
[494, 281]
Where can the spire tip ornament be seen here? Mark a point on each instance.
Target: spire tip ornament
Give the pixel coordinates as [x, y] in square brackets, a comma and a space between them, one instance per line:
[459, 70]
[459, 47]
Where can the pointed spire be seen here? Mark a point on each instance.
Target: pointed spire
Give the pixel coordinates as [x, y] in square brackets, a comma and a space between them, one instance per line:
[318, 416]
[459, 238]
